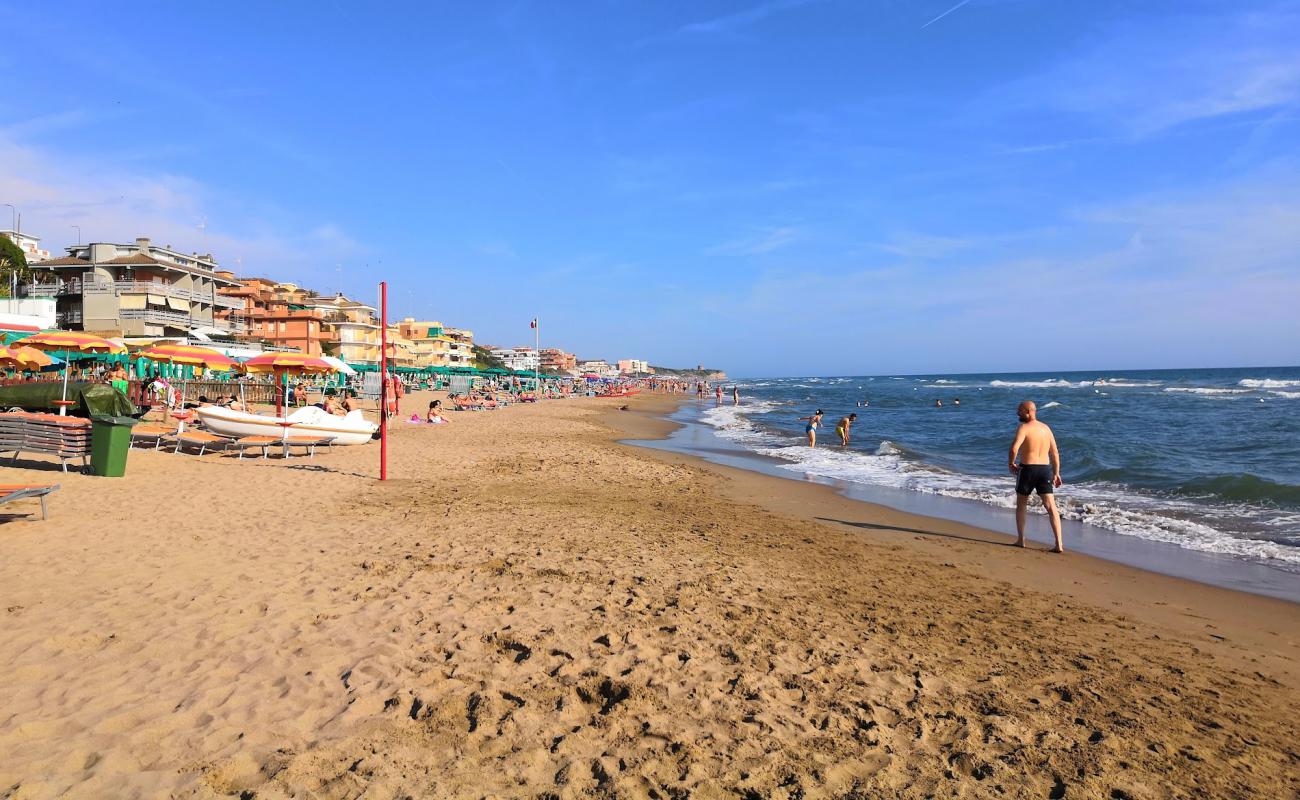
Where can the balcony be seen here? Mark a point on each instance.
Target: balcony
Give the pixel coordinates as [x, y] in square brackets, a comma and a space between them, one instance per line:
[161, 317]
[77, 286]
[66, 318]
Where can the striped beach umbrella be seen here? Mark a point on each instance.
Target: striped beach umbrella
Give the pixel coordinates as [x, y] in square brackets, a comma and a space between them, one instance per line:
[281, 364]
[20, 357]
[68, 342]
[188, 355]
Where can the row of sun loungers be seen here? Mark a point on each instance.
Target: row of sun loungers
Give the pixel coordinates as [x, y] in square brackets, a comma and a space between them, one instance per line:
[202, 442]
[67, 438]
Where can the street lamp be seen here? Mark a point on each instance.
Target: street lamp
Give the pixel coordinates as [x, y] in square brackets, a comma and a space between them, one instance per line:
[13, 217]
[78, 227]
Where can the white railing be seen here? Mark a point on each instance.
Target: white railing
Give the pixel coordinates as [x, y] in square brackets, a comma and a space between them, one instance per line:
[78, 286]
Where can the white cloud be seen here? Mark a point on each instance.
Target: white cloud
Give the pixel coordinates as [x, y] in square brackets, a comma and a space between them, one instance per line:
[55, 191]
[765, 242]
[1145, 77]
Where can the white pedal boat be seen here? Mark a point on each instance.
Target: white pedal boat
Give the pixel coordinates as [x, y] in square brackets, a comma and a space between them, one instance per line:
[308, 421]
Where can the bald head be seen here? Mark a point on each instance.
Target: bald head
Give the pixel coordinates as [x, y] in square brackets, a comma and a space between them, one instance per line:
[1027, 411]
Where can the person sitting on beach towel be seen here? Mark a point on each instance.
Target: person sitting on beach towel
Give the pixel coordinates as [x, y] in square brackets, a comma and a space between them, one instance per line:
[435, 417]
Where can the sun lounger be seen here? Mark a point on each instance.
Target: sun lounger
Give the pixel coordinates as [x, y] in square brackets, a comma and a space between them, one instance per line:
[68, 438]
[262, 443]
[204, 442]
[308, 443]
[11, 492]
[147, 435]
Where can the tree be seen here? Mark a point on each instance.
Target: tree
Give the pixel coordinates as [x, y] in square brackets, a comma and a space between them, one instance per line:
[12, 262]
[484, 359]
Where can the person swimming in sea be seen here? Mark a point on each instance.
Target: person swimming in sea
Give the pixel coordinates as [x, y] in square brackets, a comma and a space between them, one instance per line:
[811, 428]
[843, 428]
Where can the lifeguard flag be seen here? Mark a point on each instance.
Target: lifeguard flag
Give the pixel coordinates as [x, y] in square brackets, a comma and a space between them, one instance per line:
[533, 324]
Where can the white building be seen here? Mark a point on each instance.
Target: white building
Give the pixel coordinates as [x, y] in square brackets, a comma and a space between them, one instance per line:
[599, 367]
[633, 366]
[30, 245]
[519, 358]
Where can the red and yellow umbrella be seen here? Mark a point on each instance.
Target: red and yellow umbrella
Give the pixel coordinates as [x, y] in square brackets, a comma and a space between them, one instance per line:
[70, 342]
[23, 357]
[188, 355]
[290, 363]
[282, 364]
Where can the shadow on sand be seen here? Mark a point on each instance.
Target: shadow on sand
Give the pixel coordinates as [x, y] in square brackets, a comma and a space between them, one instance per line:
[878, 527]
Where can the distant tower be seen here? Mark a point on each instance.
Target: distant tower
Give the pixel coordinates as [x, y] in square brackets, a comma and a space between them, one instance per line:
[699, 367]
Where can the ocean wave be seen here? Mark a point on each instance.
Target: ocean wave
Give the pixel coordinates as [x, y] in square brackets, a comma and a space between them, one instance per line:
[1267, 383]
[1051, 383]
[1288, 395]
[1206, 390]
[1120, 383]
[1052, 404]
[944, 380]
[1182, 523]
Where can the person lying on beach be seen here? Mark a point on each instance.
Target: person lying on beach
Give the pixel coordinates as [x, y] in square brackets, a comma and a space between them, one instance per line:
[843, 428]
[435, 416]
[330, 407]
[811, 428]
[1035, 447]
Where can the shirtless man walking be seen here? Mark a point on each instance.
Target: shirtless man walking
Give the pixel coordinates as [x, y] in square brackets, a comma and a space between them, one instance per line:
[1039, 470]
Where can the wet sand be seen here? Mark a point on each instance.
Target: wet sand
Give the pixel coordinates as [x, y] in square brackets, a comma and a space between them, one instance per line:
[530, 609]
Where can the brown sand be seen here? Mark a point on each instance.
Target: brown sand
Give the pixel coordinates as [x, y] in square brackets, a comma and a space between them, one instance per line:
[532, 610]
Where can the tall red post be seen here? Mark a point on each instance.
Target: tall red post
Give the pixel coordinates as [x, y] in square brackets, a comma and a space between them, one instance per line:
[383, 380]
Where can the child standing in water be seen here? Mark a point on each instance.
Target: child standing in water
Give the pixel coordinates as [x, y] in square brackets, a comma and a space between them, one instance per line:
[811, 428]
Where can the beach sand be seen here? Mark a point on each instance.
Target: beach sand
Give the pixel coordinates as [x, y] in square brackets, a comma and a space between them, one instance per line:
[530, 609]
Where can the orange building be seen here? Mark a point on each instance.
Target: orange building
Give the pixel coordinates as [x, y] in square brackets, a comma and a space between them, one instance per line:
[282, 315]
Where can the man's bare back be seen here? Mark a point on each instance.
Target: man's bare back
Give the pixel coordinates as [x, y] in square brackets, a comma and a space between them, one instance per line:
[1036, 463]
[1036, 442]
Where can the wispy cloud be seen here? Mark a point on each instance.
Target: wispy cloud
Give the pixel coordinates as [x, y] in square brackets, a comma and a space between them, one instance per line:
[1142, 78]
[731, 23]
[757, 245]
[57, 190]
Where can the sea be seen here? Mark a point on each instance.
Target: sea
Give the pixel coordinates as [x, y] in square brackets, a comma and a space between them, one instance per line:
[1205, 460]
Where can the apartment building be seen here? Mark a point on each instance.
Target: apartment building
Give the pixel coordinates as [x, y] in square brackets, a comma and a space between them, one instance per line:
[633, 366]
[460, 350]
[30, 245]
[518, 358]
[279, 315]
[357, 326]
[598, 366]
[138, 290]
[557, 360]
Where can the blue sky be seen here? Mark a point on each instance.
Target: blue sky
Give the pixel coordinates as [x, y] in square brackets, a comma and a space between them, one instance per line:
[776, 188]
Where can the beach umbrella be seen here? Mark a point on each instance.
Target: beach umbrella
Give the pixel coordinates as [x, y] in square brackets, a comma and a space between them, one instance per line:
[188, 355]
[68, 342]
[24, 358]
[281, 364]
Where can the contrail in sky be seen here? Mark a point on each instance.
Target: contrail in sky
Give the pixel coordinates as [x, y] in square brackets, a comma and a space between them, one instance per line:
[944, 14]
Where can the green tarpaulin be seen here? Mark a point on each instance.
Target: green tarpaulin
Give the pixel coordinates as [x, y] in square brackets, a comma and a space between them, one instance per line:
[92, 399]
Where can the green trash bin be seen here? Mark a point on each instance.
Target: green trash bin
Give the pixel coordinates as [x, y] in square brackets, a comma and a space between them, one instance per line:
[110, 441]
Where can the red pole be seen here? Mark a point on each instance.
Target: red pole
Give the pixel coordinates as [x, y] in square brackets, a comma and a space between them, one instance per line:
[383, 380]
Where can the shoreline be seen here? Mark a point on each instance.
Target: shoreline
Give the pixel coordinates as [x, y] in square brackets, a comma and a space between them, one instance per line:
[1215, 615]
[529, 607]
[691, 436]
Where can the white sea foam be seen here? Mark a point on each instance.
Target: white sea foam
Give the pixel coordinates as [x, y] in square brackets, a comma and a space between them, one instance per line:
[1288, 395]
[1105, 505]
[1051, 383]
[944, 380]
[1052, 404]
[1206, 390]
[1267, 383]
